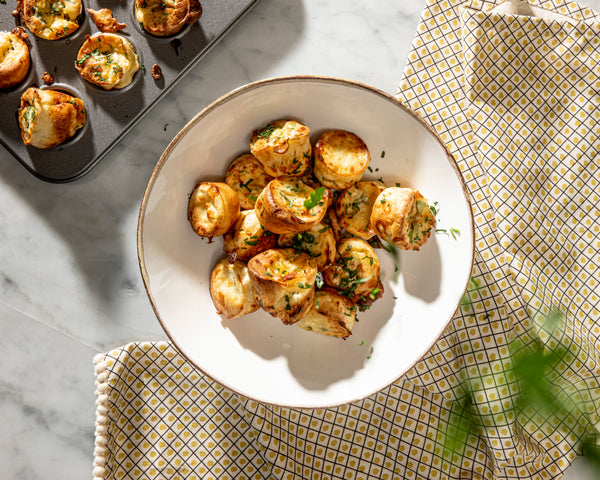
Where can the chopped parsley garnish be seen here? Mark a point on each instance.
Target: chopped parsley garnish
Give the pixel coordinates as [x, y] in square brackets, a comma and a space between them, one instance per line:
[302, 240]
[452, 231]
[286, 199]
[351, 209]
[266, 132]
[245, 185]
[433, 208]
[29, 115]
[393, 250]
[315, 198]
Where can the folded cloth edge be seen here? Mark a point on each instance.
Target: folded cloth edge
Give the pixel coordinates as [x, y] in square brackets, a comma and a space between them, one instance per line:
[101, 429]
[524, 8]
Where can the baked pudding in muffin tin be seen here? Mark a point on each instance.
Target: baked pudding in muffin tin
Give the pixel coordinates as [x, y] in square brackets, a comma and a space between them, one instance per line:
[51, 19]
[114, 71]
[48, 117]
[107, 60]
[14, 59]
[164, 18]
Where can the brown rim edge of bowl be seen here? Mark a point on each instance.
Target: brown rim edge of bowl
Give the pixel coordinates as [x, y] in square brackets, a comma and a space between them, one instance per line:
[239, 91]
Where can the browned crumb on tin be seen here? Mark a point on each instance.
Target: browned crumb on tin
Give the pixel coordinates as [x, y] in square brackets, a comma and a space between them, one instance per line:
[48, 78]
[20, 31]
[156, 72]
[105, 21]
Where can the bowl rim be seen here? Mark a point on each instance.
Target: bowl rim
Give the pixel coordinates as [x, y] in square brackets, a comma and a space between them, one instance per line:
[240, 91]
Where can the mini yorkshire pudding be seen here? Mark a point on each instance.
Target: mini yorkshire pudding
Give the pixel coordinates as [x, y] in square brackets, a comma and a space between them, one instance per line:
[353, 208]
[231, 289]
[14, 59]
[283, 147]
[332, 314]
[48, 117]
[247, 177]
[107, 60]
[318, 241]
[356, 270]
[402, 216]
[213, 208]
[166, 17]
[341, 159]
[288, 205]
[284, 282]
[247, 237]
[50, 19]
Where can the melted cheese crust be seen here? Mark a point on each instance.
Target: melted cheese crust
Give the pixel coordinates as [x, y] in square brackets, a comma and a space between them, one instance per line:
[231, 289]
[341, 159]
[51, 19]
[107, 60]
[14, 59]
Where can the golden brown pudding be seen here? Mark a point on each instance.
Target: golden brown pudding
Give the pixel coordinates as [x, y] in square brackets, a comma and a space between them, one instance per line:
[14, 59]
[48, 117]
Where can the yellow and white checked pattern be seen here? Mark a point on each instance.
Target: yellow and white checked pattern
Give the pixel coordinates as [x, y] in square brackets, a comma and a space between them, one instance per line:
[517, 101]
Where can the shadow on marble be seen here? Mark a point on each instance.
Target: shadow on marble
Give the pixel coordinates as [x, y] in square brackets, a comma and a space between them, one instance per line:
[47, 398]
[96, 216]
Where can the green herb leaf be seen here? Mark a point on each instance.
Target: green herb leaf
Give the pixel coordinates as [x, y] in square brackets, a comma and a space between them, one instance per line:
[393, 250]
[315, 198]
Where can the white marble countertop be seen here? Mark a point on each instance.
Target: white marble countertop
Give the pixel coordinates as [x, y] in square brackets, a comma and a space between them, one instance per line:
[70, 285]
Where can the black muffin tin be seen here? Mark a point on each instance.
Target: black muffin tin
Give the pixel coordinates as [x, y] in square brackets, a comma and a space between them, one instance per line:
[111, 114]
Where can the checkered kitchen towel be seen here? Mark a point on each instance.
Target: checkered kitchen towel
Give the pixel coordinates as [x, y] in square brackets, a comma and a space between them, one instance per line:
[514, 92]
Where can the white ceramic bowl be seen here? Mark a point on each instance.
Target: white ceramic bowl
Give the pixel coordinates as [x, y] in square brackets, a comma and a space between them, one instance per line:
[257, 356]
